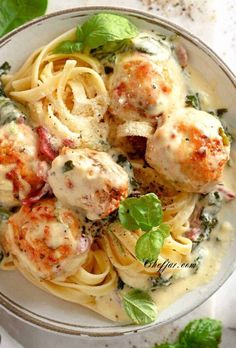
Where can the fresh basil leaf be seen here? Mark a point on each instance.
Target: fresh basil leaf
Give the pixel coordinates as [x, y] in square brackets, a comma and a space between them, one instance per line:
[68, 165]
[201, 333]
[69, 46]
[140, 307]
[14, 13]
[143, 213]
[149, 245]
[107, 53]
[193, 100]
[103, 28]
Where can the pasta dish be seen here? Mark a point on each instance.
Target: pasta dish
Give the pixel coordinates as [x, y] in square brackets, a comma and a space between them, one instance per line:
[111, 168]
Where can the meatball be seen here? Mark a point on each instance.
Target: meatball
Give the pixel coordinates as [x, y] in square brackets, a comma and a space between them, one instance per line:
[46, 240]
[20, 169]
[143, 89]
[189, 150]
[88, 180]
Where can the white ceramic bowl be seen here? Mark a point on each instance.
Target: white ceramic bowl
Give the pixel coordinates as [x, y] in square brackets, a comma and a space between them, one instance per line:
[29, 303]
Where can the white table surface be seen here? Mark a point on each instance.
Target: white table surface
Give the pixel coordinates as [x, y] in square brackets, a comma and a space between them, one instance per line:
[214, 23]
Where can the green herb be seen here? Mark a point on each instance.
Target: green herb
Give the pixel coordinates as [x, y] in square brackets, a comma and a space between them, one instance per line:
[145, 213]
[221, 112]
[4, 214]
[69, 165]
[140, 307]
[14, 13]
[142, 213]
[208, 222]
[10, 111]
[160, 281]
[149, 245]
[101, 30]
[108, 52]
[68, 47]
[5, 68]
[192, 100]
[200, 333]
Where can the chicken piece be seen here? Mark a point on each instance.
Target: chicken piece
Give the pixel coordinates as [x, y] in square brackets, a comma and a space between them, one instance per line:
[21, 172]
[141, 89]
[88, 180]
[189, 150]
[47, 240]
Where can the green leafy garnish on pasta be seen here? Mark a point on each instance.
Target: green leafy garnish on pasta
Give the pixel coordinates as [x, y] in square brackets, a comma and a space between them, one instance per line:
[145, 213]
[200, 333]
[140, 307]
[149, 245]
[97, 31]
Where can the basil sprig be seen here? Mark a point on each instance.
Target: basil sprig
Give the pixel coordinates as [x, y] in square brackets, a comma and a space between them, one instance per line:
[97, 31]
[140, 307]
[200, 333]
[14, 13]
[145, 213]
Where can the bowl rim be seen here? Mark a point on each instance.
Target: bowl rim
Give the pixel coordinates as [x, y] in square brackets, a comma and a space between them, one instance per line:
[35, 319]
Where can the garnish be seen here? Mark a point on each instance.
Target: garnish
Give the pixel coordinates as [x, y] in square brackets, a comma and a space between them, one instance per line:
[68, 47]
[142, 213]
[68, 165]
[200, 333]
[145, 213]
[17, 12]
[192, 100]
[101, 30]
[140, 307]
[149, 245]
[5, 68]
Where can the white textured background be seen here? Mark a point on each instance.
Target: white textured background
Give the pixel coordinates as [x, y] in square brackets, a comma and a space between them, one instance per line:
[214, 21]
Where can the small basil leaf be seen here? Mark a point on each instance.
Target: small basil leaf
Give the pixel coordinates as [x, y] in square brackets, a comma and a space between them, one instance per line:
[149, 245]
[193, 100]
[105, 27]
[201, 333]
[140, 307]
[69, 165]
[144, 212]
[221, 112]
[68, 47]
[15, 13]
